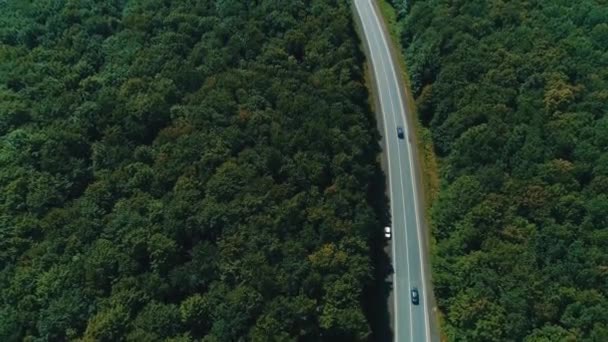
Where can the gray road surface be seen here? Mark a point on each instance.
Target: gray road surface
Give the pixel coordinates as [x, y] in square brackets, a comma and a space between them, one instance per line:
[411, 322]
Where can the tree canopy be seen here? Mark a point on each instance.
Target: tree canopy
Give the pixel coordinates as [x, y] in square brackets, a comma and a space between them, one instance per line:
[184, 170]
[515, 95]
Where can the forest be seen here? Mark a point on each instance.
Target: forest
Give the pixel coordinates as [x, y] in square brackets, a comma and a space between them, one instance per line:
[189, 170]
[515, 94]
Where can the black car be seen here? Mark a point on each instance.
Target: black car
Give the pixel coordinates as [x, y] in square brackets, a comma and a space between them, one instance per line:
[400, 132]
[415, 299]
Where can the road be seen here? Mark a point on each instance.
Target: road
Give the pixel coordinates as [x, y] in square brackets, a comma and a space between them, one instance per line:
[411, 322]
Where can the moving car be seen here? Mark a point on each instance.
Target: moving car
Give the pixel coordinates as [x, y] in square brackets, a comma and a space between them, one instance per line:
[400, 132]
[387, 232]
[415, 298]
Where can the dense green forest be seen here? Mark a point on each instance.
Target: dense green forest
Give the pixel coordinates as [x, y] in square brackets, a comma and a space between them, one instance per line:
[515, 94]
[184, 170]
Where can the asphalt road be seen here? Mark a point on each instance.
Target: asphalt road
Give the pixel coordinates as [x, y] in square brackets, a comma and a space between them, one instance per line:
[411, 322]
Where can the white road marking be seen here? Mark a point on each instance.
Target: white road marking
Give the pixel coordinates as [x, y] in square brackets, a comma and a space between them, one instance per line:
[386, 137]
[418, 227]
[407, 254]
[400, 178]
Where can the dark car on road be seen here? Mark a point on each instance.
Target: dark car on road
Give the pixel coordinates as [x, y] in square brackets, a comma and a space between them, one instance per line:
[400, 132]
[415, 298]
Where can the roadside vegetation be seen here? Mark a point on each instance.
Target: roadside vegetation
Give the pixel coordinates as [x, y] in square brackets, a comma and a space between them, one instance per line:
[426, 155]
[515, 96]
[185, 170]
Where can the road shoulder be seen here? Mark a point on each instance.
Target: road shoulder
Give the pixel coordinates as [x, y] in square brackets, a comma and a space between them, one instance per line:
[412, 123]
[385, 332]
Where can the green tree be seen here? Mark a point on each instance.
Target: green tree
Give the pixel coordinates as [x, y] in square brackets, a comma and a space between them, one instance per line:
[107, 325]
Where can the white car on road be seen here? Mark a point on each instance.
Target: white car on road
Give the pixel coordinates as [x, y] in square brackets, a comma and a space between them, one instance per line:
[387, 232]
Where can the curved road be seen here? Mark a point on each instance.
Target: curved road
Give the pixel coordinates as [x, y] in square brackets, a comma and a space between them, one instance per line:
[411, 322]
